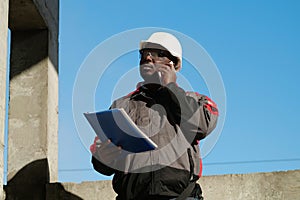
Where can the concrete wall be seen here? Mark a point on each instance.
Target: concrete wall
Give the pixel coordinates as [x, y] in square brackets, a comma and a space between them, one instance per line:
[3, 71]
[257, 186]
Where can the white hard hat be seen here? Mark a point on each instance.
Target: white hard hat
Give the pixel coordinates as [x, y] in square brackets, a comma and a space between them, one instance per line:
[165, 41]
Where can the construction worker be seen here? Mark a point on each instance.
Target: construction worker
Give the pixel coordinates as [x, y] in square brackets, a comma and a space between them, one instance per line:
[173, 118]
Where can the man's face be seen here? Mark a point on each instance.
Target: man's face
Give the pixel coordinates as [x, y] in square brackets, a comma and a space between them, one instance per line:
[150, 59]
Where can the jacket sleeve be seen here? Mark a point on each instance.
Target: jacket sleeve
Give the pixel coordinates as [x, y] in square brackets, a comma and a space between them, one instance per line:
[102, 168]
[195, 114]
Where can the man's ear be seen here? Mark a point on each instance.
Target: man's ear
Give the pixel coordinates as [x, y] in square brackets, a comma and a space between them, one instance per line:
[178, 67]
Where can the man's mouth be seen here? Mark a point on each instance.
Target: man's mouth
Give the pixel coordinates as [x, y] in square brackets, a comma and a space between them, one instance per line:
[147, 67]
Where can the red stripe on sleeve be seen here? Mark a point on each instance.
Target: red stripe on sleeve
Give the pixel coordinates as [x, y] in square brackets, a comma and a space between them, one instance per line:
[212, 110]
[200, 168]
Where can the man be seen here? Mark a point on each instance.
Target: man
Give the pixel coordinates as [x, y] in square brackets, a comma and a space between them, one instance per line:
[174, 119]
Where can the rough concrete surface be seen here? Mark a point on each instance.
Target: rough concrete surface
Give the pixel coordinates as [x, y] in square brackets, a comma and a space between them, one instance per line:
[262, 186]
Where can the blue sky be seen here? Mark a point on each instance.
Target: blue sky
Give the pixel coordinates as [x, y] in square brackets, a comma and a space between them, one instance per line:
[255, 46]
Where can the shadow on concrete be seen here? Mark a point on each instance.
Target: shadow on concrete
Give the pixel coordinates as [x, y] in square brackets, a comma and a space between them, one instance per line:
[24, 15]
[57, 191]
[27, 49]
[32, 183]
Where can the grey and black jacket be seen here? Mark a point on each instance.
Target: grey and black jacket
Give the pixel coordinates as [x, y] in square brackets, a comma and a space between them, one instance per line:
[175, 120]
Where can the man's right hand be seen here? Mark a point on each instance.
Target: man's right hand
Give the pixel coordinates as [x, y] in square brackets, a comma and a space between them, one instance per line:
[167, 71]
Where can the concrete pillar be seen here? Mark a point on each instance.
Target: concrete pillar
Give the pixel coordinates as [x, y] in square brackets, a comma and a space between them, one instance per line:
[28, 105]
[33, 105]
[3, 70]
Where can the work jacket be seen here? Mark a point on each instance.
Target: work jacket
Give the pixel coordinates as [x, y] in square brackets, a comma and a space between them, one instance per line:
[175, 120]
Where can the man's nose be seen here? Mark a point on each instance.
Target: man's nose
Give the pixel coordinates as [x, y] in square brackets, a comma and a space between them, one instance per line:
[149, 57]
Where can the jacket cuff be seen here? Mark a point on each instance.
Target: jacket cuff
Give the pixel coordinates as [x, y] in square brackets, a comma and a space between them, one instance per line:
[102, 168]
